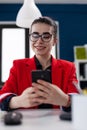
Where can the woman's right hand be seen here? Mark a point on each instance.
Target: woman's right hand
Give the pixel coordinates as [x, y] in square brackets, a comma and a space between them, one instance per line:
[27, 99]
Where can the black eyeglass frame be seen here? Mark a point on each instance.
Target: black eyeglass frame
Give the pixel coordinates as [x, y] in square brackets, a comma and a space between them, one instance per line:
[38, 36]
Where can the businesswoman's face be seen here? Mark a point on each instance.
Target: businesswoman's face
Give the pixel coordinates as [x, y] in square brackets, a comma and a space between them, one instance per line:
[42, 39]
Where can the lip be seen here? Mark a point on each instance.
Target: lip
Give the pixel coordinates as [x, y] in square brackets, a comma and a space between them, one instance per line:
[40, 47]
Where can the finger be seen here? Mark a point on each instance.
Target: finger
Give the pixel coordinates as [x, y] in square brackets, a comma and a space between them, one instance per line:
[33, 95]
[35, 104]
[41, 87]
[46, 84]
[43, 94]
[30, 90]
[41, 100]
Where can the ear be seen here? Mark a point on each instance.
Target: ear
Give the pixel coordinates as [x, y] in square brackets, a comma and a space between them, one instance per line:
[55, 41]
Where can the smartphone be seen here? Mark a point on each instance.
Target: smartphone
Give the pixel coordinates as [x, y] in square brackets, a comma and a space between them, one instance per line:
[41, 74]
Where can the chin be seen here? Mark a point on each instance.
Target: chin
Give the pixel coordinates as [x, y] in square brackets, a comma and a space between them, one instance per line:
[41, 54]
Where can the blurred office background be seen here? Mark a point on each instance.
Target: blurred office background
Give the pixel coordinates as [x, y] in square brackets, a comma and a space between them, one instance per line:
[70, 15]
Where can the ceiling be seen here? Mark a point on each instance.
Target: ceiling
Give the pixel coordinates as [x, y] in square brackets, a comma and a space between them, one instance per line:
[47, 1]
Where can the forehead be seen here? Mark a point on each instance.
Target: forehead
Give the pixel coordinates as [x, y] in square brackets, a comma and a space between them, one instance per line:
[41, 27]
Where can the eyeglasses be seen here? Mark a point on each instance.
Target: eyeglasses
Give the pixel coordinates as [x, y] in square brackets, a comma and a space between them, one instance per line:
[45, 37]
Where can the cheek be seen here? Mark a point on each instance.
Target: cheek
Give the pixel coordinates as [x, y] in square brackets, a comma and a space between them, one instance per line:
[50, 47]
[32, 46]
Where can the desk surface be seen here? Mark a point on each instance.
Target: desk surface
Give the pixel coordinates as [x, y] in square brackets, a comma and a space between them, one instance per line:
[40, 120]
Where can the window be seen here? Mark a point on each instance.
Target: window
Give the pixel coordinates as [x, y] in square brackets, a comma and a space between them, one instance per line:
[14, 45]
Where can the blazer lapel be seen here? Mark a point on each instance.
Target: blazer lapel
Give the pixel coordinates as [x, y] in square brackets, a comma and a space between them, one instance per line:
[57, 72]
[30, 65]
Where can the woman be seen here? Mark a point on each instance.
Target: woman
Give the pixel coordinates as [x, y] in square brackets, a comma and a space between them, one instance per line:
[20, 92]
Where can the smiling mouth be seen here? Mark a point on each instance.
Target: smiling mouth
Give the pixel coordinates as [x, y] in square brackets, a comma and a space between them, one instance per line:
[40, 47]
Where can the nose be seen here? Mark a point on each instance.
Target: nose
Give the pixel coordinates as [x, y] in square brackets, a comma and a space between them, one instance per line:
[40, 39]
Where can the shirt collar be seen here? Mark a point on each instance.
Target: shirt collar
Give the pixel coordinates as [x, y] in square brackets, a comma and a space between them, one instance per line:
[38, 65]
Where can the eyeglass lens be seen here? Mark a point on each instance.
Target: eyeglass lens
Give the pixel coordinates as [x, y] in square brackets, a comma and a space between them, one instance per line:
[45, 37]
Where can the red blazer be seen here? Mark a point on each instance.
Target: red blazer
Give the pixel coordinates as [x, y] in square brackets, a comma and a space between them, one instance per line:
[63, 75]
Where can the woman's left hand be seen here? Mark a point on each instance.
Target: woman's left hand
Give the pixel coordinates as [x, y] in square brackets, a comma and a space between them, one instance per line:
[50, 93]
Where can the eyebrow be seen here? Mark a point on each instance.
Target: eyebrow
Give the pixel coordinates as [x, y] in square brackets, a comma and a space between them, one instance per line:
[36, 32]
[42, 33]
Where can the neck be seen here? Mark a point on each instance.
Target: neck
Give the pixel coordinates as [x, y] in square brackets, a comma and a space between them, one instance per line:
[44, 61]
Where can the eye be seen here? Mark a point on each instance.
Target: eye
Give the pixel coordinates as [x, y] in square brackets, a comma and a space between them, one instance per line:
[35, 35]
[46, 36]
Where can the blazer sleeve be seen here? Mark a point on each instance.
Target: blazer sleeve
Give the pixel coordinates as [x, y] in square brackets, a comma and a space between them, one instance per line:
[72, 80]
[10, 86]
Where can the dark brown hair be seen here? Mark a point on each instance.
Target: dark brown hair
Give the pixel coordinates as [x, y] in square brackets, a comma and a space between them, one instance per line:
[46, 20]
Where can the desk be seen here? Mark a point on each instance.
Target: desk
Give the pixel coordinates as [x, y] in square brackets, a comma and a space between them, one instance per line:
[40, 120]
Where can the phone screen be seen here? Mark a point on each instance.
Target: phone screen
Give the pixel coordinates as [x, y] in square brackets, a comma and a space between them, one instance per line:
[41, 74]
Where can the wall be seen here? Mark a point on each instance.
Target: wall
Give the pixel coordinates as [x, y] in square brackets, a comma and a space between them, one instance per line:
[72, 21]
[47, 1]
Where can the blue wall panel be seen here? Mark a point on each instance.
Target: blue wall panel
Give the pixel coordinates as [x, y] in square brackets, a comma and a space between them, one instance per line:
[72, 21]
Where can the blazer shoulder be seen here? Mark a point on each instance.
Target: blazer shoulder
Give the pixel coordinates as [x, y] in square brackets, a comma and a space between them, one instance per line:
[66, 63]
[23, 61]
[20, 61]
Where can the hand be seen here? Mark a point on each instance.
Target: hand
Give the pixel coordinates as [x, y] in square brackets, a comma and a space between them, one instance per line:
[27, 99]
[49, 93]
